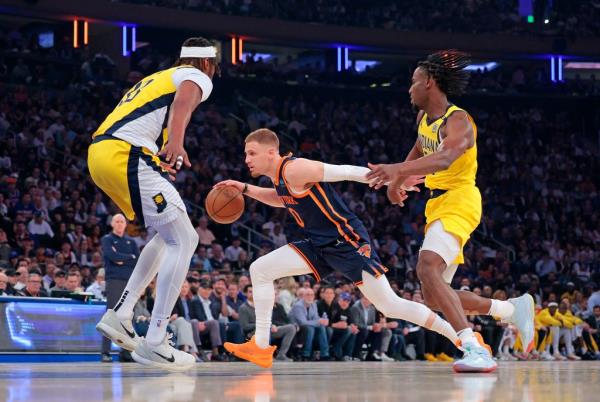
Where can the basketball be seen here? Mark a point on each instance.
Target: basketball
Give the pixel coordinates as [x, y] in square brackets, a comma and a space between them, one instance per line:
[225, 204]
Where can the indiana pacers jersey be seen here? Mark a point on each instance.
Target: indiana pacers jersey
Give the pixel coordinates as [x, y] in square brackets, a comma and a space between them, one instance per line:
[459, 206]
[122, 159]
[462, 172]
[336, 240]
[140, 118]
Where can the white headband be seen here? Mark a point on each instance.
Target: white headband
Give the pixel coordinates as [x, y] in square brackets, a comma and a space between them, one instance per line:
[193, 51]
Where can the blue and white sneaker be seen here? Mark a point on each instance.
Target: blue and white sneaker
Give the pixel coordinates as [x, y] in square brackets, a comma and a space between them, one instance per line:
[476, 359]
[523, 318]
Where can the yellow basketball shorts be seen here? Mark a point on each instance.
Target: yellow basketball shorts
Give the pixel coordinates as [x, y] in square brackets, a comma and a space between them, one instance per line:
[459, 211]
[132, 177]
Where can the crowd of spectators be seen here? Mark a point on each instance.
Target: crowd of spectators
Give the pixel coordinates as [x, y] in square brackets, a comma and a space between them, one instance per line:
[538, 175]
[469, 16]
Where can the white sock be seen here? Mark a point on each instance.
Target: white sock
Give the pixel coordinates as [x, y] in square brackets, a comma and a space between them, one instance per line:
[145, 269]
[264, 299]
[159, 327]
[380, 293]
[467, 337]
[443, 327]
[181, 240]
[284, 261]
[502, 309]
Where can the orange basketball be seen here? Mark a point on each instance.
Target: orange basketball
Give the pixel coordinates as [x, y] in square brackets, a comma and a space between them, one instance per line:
[225, 204]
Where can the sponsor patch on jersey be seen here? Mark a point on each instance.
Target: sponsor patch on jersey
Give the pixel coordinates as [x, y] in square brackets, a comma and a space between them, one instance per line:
[160, 202]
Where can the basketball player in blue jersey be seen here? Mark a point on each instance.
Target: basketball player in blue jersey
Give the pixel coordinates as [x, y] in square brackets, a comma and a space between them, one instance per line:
[123, 160]
[336, 240]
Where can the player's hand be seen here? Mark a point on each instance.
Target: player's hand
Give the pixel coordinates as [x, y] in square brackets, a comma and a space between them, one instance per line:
[381, 174]
[175, 155]
[234, 183]
[167, 168]
[396, 195]
[411, 182]
[273, 329]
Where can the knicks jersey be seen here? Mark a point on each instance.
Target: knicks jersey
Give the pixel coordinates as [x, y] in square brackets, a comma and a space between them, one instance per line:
[320, 212]
[463, 170]
[140, 118]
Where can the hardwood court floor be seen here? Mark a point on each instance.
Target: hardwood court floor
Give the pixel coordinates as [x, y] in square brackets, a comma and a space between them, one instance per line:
[309, 382]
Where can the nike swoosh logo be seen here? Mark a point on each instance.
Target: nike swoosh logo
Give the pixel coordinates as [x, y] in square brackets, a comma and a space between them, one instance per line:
[131, 334]
[169, 359]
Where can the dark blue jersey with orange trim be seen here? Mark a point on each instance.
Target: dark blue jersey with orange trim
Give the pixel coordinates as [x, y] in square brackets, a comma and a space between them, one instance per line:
[321, 212]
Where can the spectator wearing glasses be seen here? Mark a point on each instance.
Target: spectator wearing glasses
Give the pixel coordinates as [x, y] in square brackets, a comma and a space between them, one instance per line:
[34, 287]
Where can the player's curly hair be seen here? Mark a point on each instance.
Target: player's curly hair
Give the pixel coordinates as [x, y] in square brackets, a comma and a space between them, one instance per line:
[447, 68]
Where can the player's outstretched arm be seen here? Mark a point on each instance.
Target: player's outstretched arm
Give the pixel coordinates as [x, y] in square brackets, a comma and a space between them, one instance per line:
[265, 195]
[302, 172]
[459, 138]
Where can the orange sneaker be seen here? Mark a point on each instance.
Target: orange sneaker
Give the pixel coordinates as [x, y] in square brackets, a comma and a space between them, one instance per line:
[480, 340]
[251, 352]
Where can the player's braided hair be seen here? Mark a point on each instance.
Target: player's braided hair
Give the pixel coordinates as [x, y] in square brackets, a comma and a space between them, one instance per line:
[447, 68]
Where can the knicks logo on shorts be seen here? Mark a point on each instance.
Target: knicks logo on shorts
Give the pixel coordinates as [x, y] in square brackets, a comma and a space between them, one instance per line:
[364, 250]
[160, 202]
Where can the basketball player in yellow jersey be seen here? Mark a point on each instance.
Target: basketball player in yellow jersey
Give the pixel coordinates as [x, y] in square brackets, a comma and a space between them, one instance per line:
[446, 152]
[123, 159]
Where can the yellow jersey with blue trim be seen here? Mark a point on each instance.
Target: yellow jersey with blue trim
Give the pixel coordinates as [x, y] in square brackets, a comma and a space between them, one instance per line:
[463, 170]
[140, 118]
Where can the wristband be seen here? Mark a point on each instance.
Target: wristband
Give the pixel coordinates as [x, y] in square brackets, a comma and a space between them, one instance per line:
[245, 190]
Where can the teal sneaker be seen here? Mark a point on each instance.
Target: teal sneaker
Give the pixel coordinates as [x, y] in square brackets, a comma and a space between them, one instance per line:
[523, 318]
[476, 359]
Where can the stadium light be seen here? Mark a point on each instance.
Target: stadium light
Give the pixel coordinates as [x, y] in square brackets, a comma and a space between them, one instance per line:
[489, 66]
[560, 68]
[75, 34]
[233, 52]
[133, 38]
[85, 33]
[124, 34]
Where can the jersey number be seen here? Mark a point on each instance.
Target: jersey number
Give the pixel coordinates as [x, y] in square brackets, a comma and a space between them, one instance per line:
[297, 217]
[133, 92]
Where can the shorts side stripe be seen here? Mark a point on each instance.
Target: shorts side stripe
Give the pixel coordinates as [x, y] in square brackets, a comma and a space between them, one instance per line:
[133, 183]
[312, 268]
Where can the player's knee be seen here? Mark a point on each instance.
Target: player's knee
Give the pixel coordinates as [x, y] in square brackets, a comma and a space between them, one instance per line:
[258, 271]
[427, 268]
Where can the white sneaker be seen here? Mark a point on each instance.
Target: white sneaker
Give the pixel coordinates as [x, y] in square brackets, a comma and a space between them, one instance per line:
[120, 332]
[546, 356]
[377, 356]
[558, 356]
[163, 356]
[386, 358]
[523, 318]
[573, 357]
